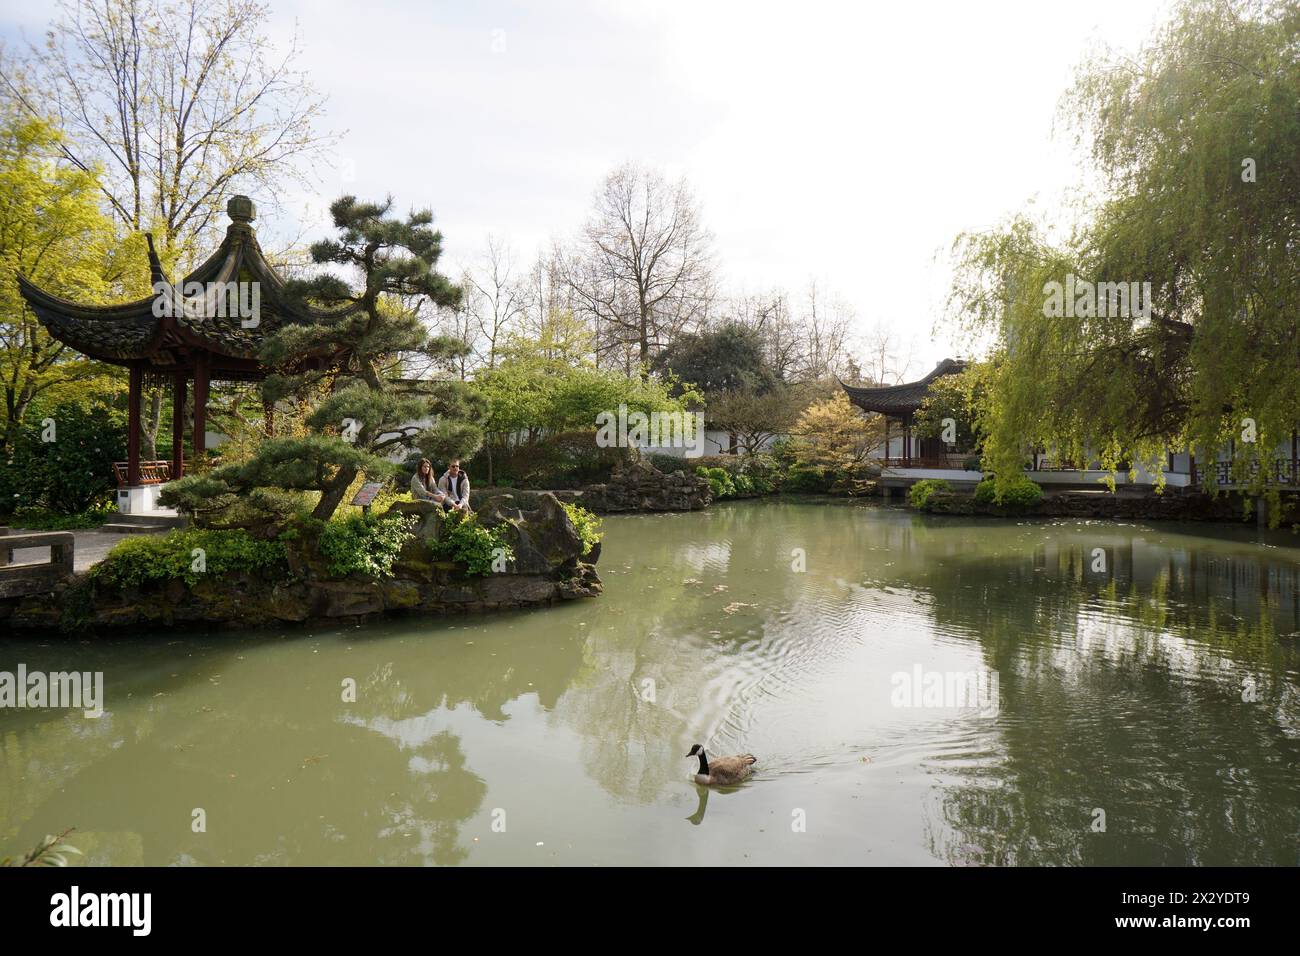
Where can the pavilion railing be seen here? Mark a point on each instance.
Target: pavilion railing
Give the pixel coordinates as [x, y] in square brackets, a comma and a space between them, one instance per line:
[948, 462]
[1280, 471]
[151, 472]
[1056, 464]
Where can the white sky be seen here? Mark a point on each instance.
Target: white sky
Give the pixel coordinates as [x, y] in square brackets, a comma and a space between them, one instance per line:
[846, 142]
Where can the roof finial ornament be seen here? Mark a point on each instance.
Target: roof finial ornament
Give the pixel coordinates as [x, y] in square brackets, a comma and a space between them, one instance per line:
[156, 274]
[241, 209]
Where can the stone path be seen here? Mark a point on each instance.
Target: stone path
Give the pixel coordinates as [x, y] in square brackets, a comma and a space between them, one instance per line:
[90, 548]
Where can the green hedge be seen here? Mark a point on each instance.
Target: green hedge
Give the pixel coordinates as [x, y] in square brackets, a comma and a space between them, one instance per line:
[188, 555]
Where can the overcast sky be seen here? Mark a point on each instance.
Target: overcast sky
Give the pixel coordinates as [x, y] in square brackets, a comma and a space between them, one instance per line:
[844, 142]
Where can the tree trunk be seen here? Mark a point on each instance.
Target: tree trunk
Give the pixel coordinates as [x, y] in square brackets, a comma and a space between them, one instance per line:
[332, 497]
[150, 425]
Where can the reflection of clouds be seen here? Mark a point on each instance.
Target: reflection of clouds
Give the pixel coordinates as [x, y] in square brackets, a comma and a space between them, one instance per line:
[1122, 693]
[1287, 711]
[712, 556]
[409, 733]
[420, 764]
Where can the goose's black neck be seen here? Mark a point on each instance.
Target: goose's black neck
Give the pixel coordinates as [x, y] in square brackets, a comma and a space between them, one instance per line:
[704, 763]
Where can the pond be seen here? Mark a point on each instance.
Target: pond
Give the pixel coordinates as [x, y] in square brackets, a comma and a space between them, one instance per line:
[1135, 701]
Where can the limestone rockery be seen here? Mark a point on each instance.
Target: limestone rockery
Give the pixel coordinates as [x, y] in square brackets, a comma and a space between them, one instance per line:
[638, 486]
[548, 567]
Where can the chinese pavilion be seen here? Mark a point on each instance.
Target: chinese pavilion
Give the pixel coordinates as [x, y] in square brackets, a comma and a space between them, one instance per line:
[900, 403]
[197, 341]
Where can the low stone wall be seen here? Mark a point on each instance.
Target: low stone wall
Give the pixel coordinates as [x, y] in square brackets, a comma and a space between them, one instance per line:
[1171, 506]
[549, 566]
[17, 580]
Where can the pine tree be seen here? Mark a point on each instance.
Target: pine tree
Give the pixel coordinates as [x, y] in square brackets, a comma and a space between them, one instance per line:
[363, 364]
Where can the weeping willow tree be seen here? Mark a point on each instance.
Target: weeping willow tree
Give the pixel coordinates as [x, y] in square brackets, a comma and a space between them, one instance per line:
[1197, 143]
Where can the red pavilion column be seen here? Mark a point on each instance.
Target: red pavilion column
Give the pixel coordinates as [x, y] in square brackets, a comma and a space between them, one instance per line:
[178, 425]
[133, 427]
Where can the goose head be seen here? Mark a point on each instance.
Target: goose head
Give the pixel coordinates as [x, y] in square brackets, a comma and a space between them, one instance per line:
[697, 749]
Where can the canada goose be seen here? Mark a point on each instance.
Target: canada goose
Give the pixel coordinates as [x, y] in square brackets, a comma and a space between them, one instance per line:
[722, 771]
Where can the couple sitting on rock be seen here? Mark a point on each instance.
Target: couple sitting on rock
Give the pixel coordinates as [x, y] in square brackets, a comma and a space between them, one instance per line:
[451, 490]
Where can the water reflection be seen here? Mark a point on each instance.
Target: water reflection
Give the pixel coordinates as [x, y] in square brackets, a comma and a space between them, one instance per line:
[1150, 672]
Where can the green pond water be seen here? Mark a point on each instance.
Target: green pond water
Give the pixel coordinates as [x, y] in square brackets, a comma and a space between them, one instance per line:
[1159, 697]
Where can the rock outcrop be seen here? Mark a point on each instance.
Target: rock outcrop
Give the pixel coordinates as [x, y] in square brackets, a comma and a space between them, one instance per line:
[638, 486]
[549, 566]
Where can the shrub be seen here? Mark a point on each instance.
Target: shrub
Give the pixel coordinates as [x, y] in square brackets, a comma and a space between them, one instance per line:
[362, 544]
[720, 483]
[467, 542]
[749, 475]
[564, 460]
[1022, 494]
[918, 496]
[187, 555]
[71, 474]
[762, 466]
[783, 450]
[42, 519]
[806, 480]
[668, 463]
[728, 463]
[586, 524]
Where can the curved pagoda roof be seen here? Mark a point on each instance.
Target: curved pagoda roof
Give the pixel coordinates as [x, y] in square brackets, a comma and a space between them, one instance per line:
[131, 334]
[900, 401]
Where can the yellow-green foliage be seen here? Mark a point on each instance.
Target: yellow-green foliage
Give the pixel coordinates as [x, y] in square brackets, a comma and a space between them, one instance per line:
[53, 231]
[833, 434]
[363, 544]
[586, 524]
[1170, 131]
[918, 496]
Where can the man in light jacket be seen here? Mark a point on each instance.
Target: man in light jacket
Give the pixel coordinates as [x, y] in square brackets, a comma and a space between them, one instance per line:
[424, 486]
[455, 485]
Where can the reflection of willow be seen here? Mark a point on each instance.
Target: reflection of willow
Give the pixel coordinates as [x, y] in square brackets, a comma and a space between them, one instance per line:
[672, 630]
[1120, 692]
[286, 771]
